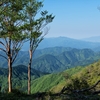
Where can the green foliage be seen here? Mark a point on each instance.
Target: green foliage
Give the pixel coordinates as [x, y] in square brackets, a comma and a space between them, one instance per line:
[77, 84]
[11, 19]
[77, 78]
[19, 78]
[15, 95]
[73, 71]
[74, 78]
[46, 82]
[35, 26]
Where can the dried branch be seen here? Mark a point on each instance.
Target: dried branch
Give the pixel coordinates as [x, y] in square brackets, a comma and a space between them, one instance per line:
[96, 92]
[83, 90]
[87, 89]
[2, 44]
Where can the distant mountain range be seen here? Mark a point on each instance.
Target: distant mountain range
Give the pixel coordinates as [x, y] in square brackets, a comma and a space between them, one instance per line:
[64, 42]
[55, 59]
[92, 39]
[58, 54]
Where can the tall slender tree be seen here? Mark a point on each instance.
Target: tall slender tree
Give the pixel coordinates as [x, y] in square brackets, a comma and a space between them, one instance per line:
[11, 32]
[36, 28]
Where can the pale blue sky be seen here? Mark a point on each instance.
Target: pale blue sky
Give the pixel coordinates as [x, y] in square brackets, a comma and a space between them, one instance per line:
[74, 18]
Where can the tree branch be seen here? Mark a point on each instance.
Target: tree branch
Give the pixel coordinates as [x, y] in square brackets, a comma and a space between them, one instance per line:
[87, 89]
[2, 44]
[96, 92]
[3, 50]
[3, 57]
[83, 90]
[17, 46]
[6, 43]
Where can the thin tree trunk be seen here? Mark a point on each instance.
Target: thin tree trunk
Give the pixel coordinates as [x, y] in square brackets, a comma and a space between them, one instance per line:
[9, 75]
[9, 68]
[29, 72]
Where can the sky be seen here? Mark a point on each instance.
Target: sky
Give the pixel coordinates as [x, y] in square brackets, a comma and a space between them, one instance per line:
[73, 18]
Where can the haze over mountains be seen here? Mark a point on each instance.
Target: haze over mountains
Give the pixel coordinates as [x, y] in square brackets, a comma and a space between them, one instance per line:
[92, 39]
[65, 42]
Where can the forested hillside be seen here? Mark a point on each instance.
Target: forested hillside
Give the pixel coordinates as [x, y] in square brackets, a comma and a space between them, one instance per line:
[54, 83]
[56, 59]
[19, 79]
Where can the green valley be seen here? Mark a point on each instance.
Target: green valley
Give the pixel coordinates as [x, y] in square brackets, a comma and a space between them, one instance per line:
[53, 83]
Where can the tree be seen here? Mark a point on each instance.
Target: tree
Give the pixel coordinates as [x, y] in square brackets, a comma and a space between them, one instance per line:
[36, 29]
[12, 34]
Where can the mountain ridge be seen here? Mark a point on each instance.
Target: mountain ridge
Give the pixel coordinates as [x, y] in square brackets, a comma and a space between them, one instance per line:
[50, 61]
[63, 42]
[92, 39]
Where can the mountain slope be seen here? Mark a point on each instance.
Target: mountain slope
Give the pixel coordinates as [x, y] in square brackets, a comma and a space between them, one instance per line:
[65, 60]
[76, 56]
[51, 50]
[21, 71]
[47, 63]
[52, 82]
[56, 59]
[55, 82]
[19, 78]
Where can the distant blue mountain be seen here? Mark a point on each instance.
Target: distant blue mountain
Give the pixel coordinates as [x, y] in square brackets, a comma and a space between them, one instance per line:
[92, 39]
[64, 42]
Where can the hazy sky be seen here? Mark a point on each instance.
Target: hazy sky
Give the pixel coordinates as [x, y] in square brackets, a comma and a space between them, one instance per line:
[74, 18]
